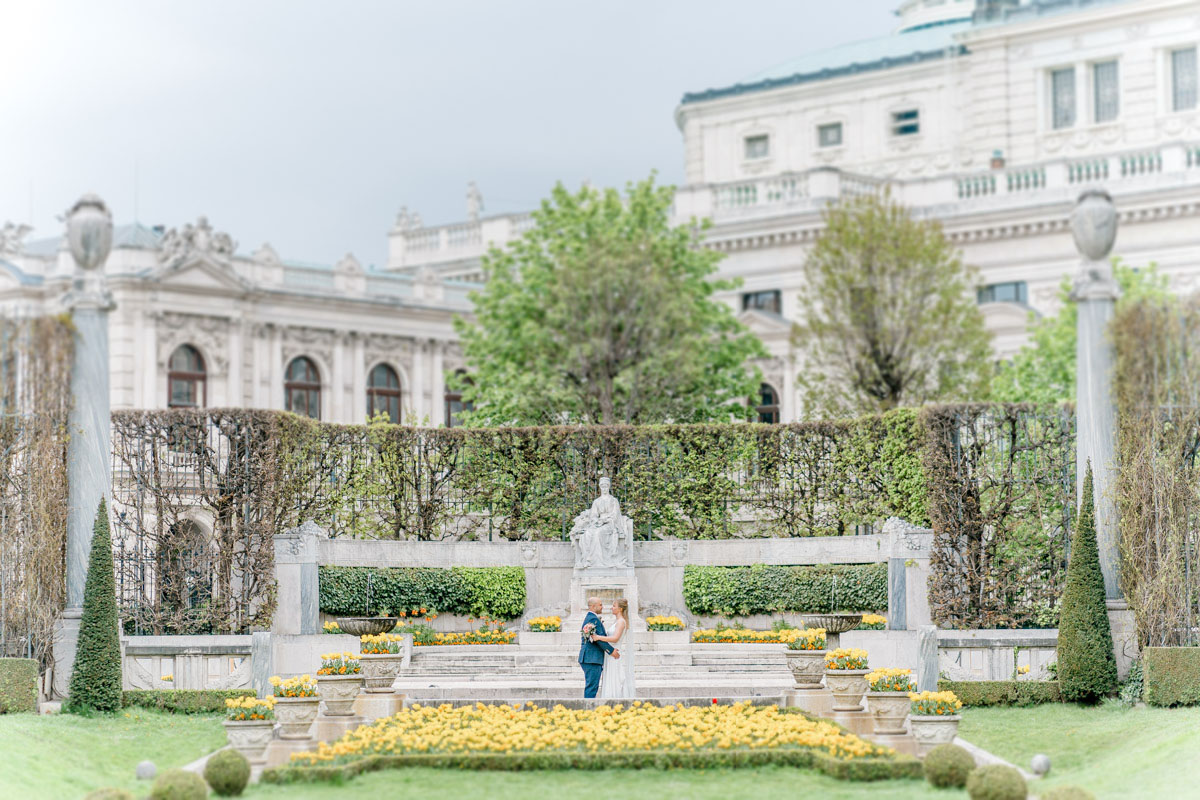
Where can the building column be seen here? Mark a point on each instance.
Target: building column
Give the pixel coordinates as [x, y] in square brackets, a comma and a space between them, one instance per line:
[151, 378]
[337, 381]
[234, 394]
[418, 372]
[437, 415]
[358, 371]
[787, 412]
[259, 397]
[275, 367]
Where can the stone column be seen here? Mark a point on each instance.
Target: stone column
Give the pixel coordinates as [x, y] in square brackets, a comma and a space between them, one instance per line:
[437, 404]
[89, 455]
[275, 367]
[358, 371]
[337, 380]
[418, 389]
[235, 394]
[1094, 227]
[297, 552]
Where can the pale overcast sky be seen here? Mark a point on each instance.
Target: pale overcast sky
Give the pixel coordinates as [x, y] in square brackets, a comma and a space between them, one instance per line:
[309, 124]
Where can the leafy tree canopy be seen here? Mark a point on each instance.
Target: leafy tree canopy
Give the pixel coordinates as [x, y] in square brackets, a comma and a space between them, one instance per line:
[603, 313]
[888, 314]
[1043, 370]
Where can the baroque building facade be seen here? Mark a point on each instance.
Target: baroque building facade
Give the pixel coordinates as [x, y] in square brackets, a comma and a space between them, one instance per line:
[990, 116]
[198, 324]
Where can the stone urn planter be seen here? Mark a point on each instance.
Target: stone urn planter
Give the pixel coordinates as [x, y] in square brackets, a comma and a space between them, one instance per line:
[888, 711]
[366, 626]
[848, 687]
[807, 667]
[931, 730]
[380, 670]
[296, 716]
[338, 693]
[250, 737]
[834, 624]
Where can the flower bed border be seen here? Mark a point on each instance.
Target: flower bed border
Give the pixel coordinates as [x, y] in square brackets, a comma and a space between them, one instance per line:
[860, 769]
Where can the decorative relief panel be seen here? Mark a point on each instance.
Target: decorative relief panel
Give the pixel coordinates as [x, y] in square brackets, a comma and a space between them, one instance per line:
[209, 334]
[309, 342]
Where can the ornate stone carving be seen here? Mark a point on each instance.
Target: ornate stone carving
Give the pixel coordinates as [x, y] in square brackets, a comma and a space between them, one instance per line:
[474, 202]
[602, 536]
[210, 334]
[308, 342]
[178, 245]
[12, 238]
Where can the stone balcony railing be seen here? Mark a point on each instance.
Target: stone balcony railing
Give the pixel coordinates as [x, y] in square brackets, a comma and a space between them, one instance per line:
[1060, 180]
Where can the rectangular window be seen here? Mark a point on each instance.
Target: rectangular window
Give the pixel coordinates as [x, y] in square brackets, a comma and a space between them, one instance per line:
[906, 123]
[829, 135]
[1011, 292]
[758, 147]
[1062, 98]
[763, 301]
[1183, 79]
[1106, 92]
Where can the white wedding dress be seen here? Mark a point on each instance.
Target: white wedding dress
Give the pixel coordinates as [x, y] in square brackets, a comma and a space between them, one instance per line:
[616, 682]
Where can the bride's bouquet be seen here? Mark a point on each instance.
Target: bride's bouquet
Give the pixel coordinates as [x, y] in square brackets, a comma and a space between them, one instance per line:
[588, 630]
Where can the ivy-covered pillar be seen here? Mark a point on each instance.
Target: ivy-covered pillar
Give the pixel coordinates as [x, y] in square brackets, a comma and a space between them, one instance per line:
[1095, 292]
[89, 454]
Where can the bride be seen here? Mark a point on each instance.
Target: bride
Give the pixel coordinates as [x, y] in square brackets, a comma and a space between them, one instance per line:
[616, 681]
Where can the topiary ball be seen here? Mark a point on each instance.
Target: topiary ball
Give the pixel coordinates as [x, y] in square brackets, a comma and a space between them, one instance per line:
[179, 784]
[947, 766]
[996, 782]
[227, 772]
[1067, 793]
[109, 794]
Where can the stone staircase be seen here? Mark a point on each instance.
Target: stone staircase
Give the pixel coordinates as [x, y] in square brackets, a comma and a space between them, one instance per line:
[512, 673]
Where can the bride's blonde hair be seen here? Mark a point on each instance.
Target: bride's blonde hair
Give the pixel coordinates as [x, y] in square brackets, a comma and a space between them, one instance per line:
[623, 604]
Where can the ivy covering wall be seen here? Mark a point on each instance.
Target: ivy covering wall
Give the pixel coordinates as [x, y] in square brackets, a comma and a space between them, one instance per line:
[995, 482]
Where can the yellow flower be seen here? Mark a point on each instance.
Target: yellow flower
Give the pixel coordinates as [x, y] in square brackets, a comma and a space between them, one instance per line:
[1022, 670]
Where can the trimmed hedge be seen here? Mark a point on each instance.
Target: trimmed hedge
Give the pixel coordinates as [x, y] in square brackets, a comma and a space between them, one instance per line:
[1087, 667]
[18, 685]
[766, 589]
[495, 592]
[1172, 675]
[859, 769]
[96, 677]
[182, 701]
[1003, 693]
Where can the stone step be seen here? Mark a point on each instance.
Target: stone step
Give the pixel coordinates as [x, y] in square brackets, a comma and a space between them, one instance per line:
[532, 690]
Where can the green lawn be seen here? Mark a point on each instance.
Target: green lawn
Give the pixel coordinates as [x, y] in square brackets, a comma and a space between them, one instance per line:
[1114, 751]
[64, 756]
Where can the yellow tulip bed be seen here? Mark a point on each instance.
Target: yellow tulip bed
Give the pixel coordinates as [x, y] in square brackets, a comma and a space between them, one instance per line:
[469, 637]
[744, 636]
[511, 737]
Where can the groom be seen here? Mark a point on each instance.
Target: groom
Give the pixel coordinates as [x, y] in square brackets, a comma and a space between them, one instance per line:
[591, 654]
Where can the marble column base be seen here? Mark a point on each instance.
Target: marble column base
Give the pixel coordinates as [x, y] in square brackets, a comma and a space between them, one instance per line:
[66, 640]
[1124, 634]
[377, 705]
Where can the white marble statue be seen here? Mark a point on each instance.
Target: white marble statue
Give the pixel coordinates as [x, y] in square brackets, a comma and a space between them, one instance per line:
[603, 537]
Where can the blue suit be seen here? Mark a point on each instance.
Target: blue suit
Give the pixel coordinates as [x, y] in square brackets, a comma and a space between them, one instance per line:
[591, 656]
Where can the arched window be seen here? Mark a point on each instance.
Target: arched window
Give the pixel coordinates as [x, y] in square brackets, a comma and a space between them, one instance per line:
[186, 379]
[184, 576]
[302, 388]
[383, 393]
[455, 405]
[768, 408]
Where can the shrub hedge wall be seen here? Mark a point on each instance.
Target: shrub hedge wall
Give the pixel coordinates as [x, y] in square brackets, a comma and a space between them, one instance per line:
[494, 592]
[765, 589]
[1003, 693]
[182, 701]
[18, 685]
[1172, 675]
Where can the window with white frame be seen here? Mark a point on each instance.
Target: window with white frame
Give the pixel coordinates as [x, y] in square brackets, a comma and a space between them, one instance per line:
[757, 147]
[829, 134]
[1183, 79]
[1106, 91]
[1062, 98]
[906, 122]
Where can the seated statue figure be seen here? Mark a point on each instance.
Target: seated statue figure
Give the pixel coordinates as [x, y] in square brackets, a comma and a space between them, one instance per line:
[602, 536]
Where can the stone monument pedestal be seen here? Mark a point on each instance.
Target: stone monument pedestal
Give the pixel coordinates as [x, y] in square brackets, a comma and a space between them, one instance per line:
[330, 729]
[377, 705]
[66, 641]
[279, 751]
[609, 584]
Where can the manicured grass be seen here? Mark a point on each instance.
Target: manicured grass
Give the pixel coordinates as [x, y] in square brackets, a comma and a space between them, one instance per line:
[1112, 750]
[64, 756]
[650, 784]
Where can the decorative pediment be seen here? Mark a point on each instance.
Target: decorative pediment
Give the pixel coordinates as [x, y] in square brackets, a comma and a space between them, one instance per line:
[764, 323]
[1005, 317]
[185, 244]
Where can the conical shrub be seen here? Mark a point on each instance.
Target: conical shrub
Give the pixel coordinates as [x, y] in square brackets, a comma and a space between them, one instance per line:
[96, 679]
[1087, 668]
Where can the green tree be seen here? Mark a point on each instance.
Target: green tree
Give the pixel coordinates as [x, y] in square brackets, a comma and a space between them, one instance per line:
[1043, 370]
[888, 314]
[96, 677]
[603, 313]
[1087, 668]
